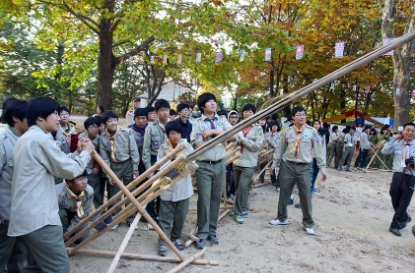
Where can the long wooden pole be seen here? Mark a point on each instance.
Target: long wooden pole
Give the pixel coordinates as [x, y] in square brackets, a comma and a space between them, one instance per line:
[302, 92]
[129, 187]
[187, 261]
[141, 210]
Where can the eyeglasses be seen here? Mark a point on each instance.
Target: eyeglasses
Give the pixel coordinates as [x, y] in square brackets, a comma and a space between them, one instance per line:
[300, 115]
[64, 114]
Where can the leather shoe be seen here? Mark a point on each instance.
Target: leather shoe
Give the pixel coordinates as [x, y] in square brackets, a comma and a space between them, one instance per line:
[201, 244]
[395, 231]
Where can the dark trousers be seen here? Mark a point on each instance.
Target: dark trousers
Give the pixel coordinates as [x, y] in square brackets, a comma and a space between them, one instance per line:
[262, 176]
[173, 213]
[314, 173]
[154, 205]
[401, 191]
[66, 217]
[361, 159]
[98, 184]
[278, 179]
[13, 252]
[230, 180]
[46, 250]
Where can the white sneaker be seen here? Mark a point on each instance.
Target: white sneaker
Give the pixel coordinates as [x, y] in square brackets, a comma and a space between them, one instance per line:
[310, 231]
[150, 227]
[114, 227]
[276, 222]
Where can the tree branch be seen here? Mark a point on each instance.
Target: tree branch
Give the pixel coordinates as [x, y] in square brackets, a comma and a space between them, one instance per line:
[81, 17]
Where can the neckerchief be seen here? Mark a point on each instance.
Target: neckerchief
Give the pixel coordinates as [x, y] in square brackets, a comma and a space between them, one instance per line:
[245, 132]
[297, 140]
[112, 142]
[79, 208]
[68, 134]
[212, 122]
[137, 129]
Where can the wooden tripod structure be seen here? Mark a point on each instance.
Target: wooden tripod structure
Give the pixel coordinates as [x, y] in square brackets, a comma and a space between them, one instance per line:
[183, 165]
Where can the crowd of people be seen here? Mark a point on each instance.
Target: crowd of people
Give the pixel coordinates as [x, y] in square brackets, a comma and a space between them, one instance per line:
[49, 181]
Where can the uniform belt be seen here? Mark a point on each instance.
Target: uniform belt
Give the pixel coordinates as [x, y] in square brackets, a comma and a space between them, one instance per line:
[298, 163]
[211, 161]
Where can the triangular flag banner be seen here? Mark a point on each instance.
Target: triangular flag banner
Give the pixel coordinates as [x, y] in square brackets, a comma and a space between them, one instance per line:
[241, 55]
[179, 59]
[152, 59]
[268, 54]
[121, 60]
[299, 54]
[386, 42]
[130, 60]
[354, 87]
[140, 59]
[165, 59]
[198, 57]
[413, 93]
[219, 57]
[339, 50]
[368, 89]
[398, 92]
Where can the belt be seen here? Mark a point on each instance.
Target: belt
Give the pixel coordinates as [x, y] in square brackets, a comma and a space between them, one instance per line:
[297, 163]
[211, 161]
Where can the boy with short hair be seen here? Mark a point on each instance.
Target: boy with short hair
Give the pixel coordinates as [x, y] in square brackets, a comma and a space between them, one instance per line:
[183, 111]
[119, 151]
[153, 138]
[250, 139]
[152, 115]
[211, 172]
[138, 129]
[34, 211]
[12, 251]
[174, 202]
[65, 131]
[75, 199]
[350, 141]
[91, 125]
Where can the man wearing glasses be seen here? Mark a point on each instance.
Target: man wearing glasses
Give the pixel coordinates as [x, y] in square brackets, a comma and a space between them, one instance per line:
[295, 149]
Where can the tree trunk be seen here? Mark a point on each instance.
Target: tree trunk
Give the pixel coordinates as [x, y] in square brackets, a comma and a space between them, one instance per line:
[106, 65]
[271, 84]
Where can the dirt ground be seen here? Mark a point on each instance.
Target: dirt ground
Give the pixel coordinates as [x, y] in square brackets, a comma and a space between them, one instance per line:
[352, 212]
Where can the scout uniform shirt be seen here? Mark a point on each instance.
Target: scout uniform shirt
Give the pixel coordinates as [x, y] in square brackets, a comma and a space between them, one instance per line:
[129, 116]
[7, 141]
[350, 141]
[63, 138]
[155, 136]
[334, 137]
[196, 137]
[124, 148]
[251, 145]
[36, 161]
[364, 141]
[183, 189]
[396, 148]
[272, 139]
[138, 135]
[68, 203]
[94, 141]
[309, 139]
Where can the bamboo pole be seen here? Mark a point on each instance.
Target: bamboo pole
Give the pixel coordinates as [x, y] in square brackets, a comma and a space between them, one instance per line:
[188, 261]
[263, 170]
[262, 184]
[192, 232]
[373, 158]
[179, 160]
[223, 214]
[302, 92]
[141, 210]
[129, 187]
[123, 245]
[127, 255]
[132, 208]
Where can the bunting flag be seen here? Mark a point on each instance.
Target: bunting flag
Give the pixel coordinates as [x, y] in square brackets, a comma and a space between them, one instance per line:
[368, 89]
[413, 93]
[179, 59]
[140, 59]
[398, 92]
[241, 55]
[339, 50]
[219, 57]
[130, 60]
[268, 54]
[165, 59]
[152, 59]
[299, 54]
[386, 42]
[354, 87]
[198, 57]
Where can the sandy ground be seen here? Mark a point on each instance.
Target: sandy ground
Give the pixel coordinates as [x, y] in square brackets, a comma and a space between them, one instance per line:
[352, 212]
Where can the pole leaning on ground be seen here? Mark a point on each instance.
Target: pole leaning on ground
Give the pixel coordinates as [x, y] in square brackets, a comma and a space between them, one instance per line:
[302, 92]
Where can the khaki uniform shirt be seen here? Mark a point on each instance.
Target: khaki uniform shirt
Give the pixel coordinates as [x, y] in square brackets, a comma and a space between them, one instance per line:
[37, 160]
[94, 141]
[125, 147]
[129, 116]
[196, 137]
[7, 142]
[183, 189]
[309, 139]
[139, 140]
[252, 144]
[153, 138]
[364, 141]
[350, 141]
[63, 142]
[272, 140]
[66, 202]
[333, 137]
[396, 148]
